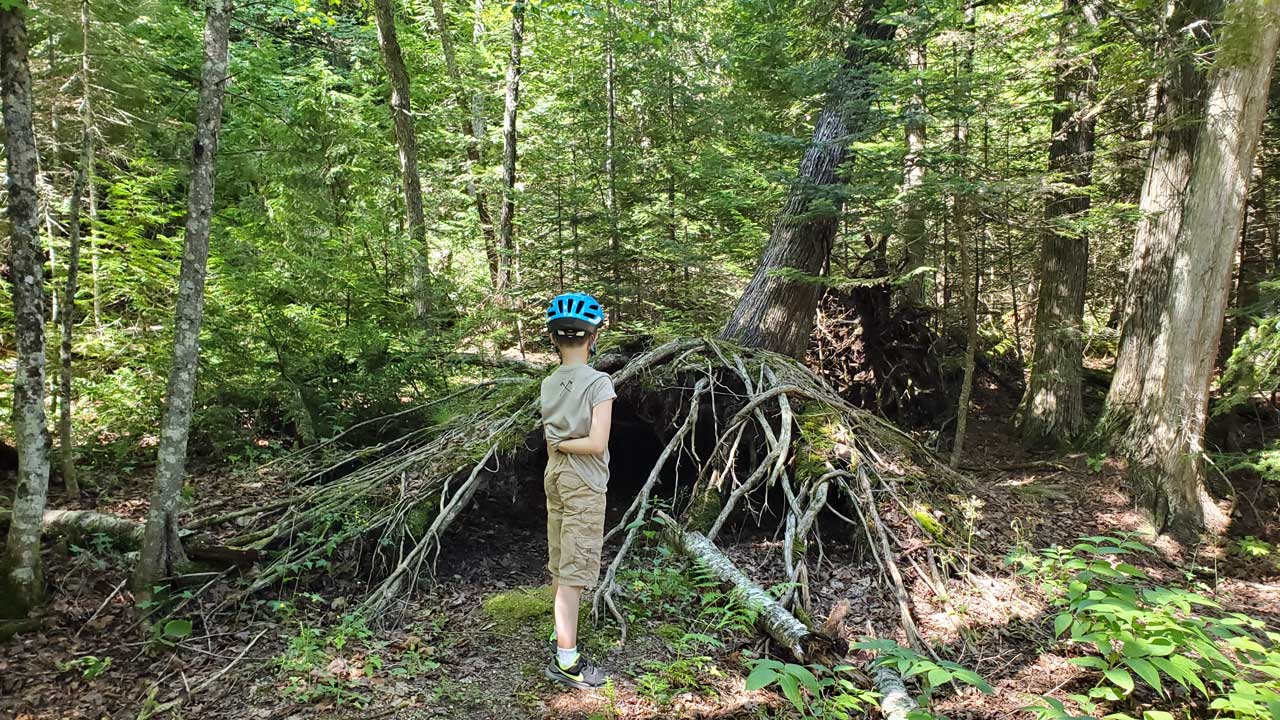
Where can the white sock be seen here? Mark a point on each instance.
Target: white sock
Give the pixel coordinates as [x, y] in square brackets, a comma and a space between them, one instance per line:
[566, 658]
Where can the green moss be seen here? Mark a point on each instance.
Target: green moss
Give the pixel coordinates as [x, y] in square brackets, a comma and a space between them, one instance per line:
[704, 510]
[419, 518]
[819, 435]
[669, 632]
[522, 608]
[927, 521]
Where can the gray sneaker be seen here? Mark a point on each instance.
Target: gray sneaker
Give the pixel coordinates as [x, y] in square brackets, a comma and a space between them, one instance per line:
[581, 674]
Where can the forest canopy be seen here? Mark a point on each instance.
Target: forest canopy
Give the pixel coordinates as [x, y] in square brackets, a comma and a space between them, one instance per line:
[275, 279]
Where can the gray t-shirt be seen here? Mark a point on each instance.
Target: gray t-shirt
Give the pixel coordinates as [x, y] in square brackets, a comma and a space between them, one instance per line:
[568, 396]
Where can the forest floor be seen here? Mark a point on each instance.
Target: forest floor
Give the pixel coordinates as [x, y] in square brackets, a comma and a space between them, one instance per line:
[473, 645]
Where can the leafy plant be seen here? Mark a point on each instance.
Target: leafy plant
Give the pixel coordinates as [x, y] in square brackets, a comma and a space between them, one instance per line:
[815, 691]
[1145, 634]
[89, 666]
[930, 673]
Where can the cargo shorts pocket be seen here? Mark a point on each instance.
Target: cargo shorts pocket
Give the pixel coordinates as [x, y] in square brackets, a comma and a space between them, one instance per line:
[581, 531]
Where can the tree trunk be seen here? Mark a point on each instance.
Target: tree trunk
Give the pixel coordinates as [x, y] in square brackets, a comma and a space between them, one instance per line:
[22, 582]
[776, 311]
[161, 547]
[1053, 409]
[1165, 438]
[1176, 127]
[914, 237]
[84, 176]
[507, 219]
[610, 159]
[406, 142]
[960, 219]
[473, 131]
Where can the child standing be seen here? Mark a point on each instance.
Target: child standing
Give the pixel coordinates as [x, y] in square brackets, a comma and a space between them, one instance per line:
[577, 410]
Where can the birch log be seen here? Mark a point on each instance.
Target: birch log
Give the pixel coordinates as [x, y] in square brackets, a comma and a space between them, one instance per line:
[777, 622]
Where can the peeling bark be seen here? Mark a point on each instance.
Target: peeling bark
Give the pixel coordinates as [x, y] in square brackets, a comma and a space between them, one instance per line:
[22, 582]
[161, 547]
[774, 619]
[1178, 100]
[1165, 439]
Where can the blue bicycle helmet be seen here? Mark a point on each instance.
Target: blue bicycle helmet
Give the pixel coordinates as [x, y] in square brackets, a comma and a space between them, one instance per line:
[574, 315]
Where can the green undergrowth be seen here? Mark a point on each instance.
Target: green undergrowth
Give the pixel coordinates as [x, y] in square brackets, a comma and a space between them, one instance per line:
[685, 621]
[342, 661]
[1155, 651]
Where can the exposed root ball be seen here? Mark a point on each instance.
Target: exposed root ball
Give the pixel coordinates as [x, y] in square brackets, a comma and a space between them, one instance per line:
[737, 426]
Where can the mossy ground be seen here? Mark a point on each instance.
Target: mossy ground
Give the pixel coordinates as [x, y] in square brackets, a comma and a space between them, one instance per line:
[521, 609]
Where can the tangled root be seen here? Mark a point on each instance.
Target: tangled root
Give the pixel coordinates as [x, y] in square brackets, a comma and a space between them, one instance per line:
[776, 427]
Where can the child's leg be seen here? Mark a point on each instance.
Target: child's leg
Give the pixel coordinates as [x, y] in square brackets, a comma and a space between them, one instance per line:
[568, 598]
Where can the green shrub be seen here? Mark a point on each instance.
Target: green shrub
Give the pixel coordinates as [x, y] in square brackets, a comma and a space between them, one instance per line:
[1143, 634]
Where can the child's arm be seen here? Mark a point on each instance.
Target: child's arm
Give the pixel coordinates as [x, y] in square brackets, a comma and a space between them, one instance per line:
[597, 441]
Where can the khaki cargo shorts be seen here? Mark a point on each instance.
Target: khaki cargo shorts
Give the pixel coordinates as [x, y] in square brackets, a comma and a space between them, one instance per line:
[575, 526]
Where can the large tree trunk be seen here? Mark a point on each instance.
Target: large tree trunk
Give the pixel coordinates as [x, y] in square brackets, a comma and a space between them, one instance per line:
[473, 130]
[407, 143]
[22, 583]
[1165, 438]
[161, 547]
[84, 176]
[507, 219]
[1178, 99]
[776, 311]
[1053, 409]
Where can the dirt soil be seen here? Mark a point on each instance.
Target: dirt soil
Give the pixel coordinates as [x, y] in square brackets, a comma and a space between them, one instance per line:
[450, 655]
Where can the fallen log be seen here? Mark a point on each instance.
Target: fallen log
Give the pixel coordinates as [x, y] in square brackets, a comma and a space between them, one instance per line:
[788, 631]
[895, 702]
[80, 525]
[774, 619]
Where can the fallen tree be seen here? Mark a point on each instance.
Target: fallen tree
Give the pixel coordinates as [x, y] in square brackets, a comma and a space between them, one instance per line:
[744, 433]
[805, 645]
[82, 525]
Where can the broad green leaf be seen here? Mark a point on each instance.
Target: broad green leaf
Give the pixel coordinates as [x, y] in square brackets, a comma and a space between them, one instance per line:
[1147, 672]
[177, 629]
[762, 676]
[1061, 623]
[1089, 661]
[1121, 678]
[791, 688]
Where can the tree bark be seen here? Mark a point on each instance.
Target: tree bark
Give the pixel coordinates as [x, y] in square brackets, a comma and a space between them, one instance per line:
[507, 218]
[407, 144]
[1178, 99]
[473, 130]
[1165, 440]
[22, 582]
[776, 621]
[776, 311]
[610, 159]
[914, 237]
[1053, 409]
[161, 548]
[960, 220]
[84, 176]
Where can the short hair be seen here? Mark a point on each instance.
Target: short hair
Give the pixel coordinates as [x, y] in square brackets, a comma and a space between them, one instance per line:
[570, 339]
